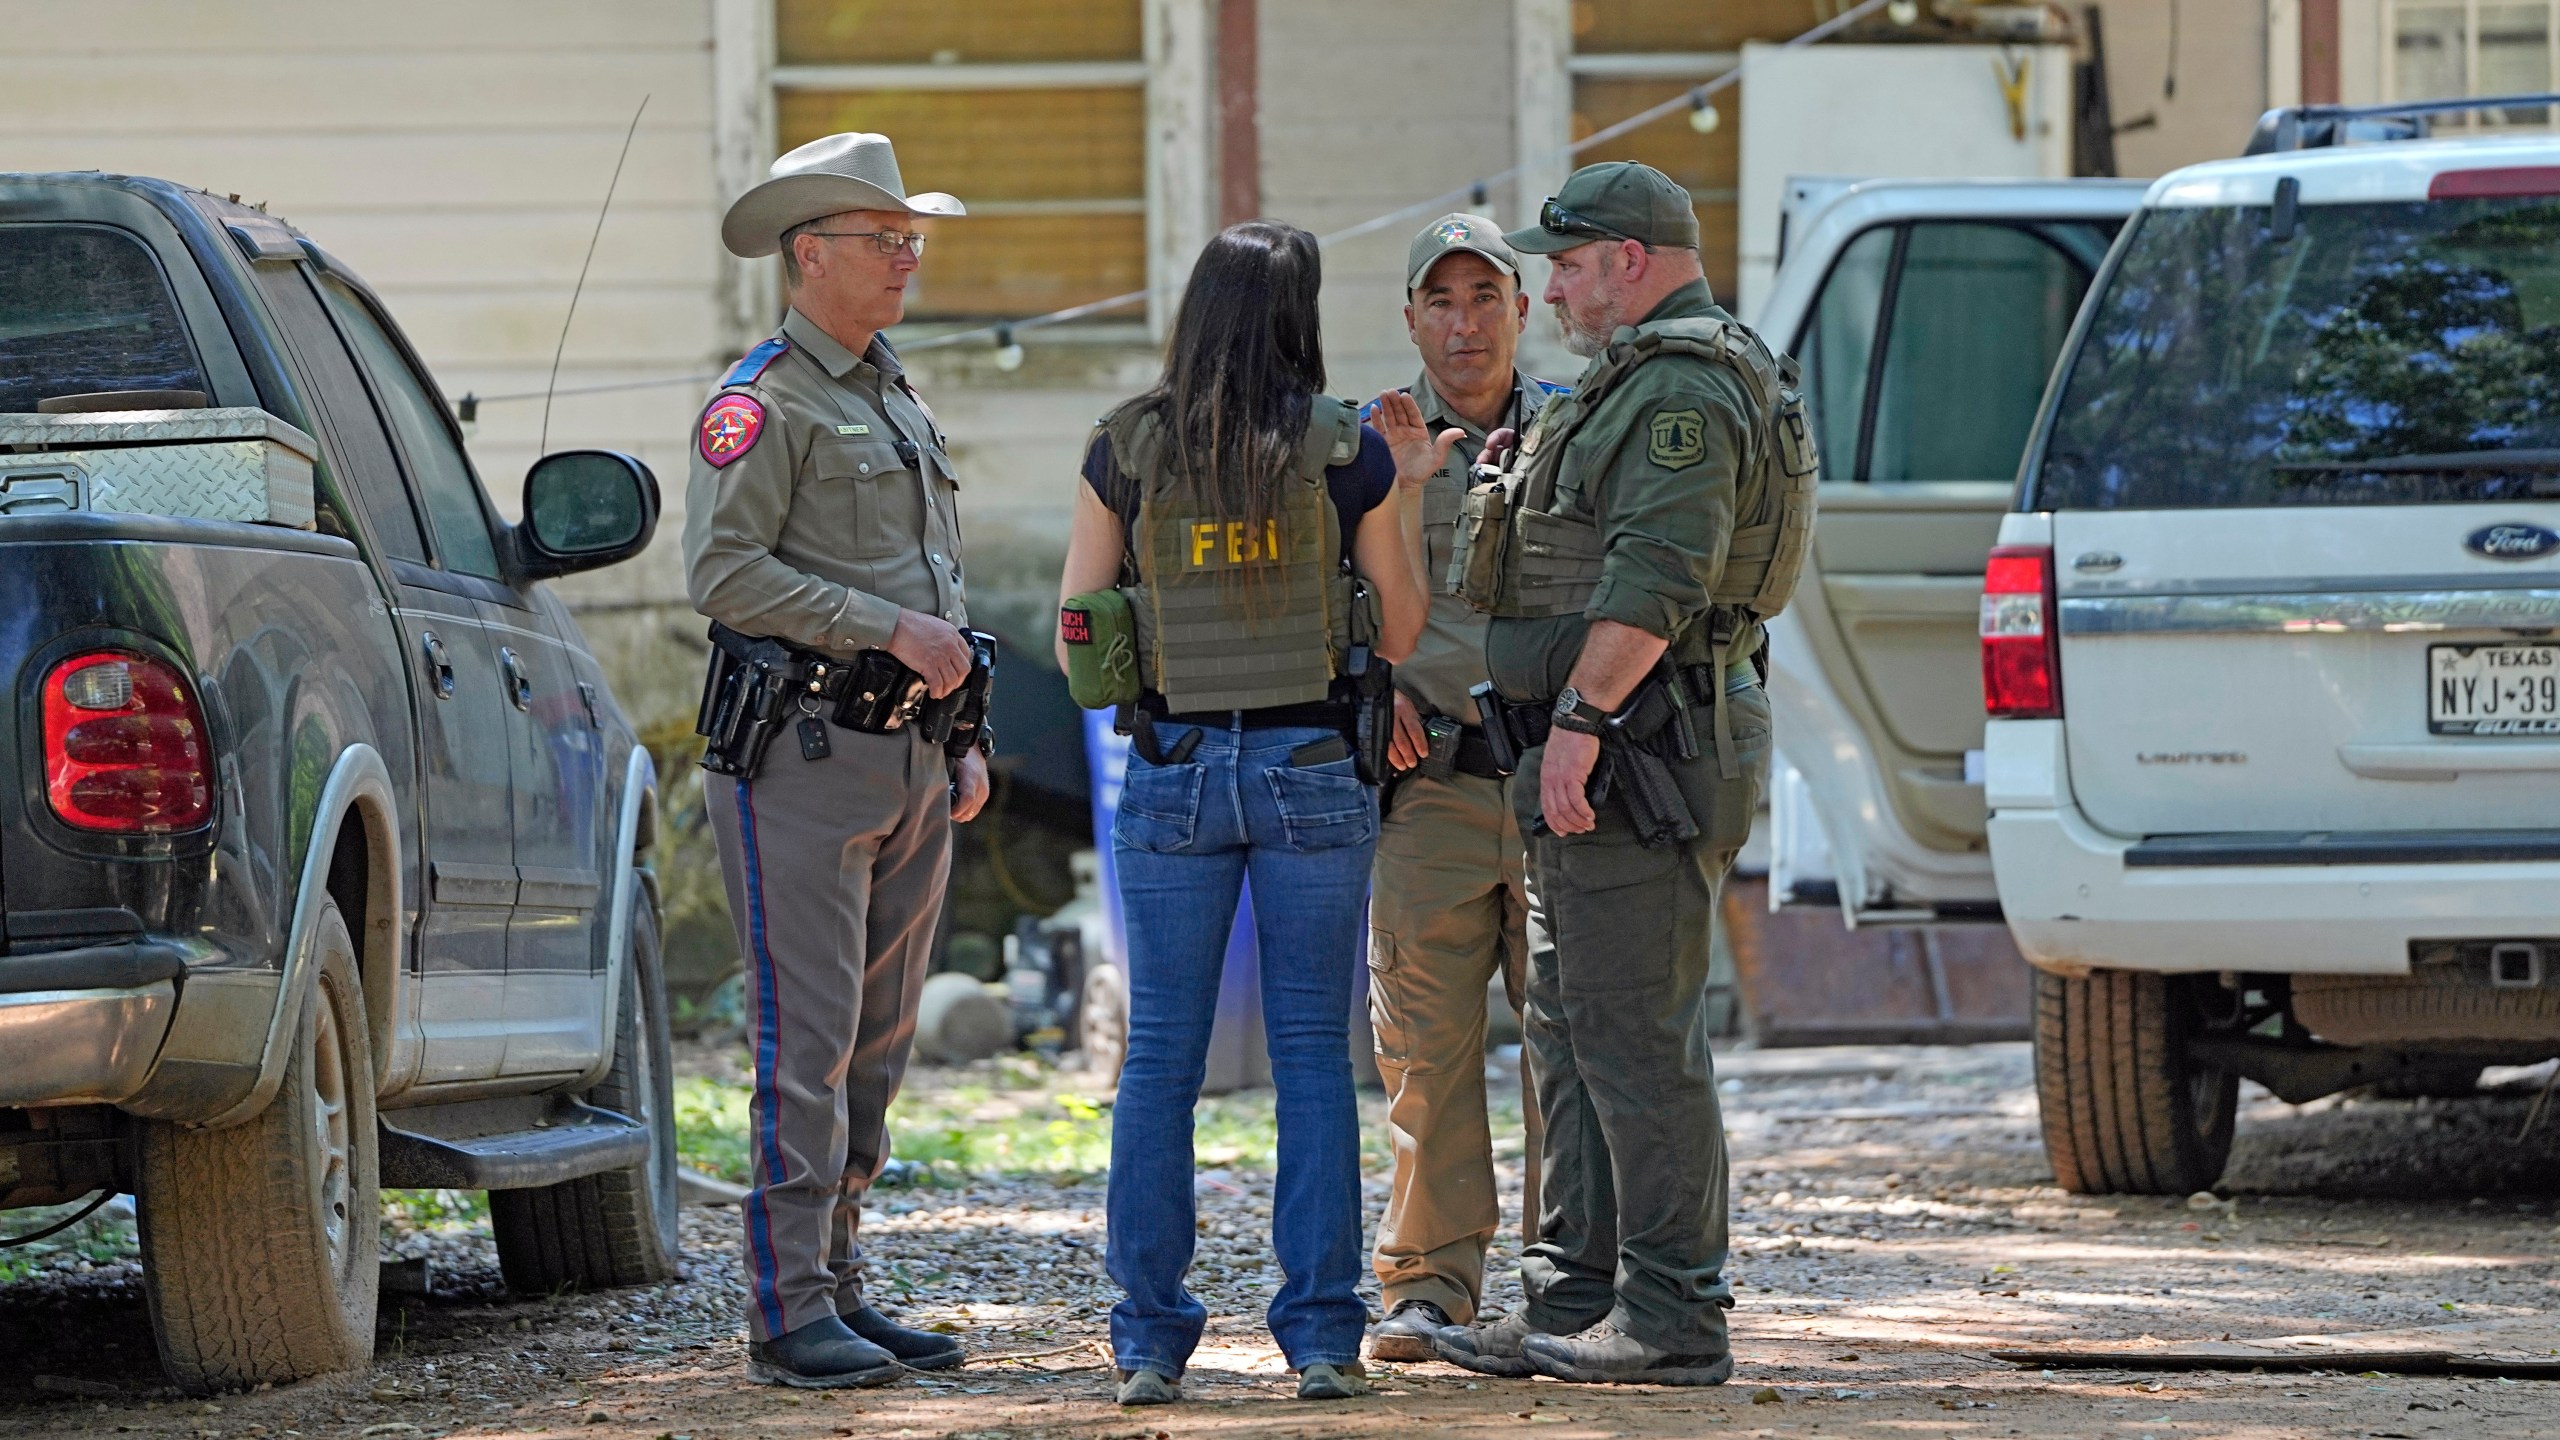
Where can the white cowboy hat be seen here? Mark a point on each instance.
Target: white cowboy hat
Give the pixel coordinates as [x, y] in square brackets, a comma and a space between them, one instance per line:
[827, 176]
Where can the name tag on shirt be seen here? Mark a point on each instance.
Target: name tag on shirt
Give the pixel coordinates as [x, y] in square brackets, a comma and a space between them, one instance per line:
[853, 429]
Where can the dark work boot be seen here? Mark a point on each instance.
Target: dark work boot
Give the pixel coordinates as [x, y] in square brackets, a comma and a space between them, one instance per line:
[1406, 1332]
[824, 1354]
[1622, 1359]
[1488, 1347]
[915, 1349]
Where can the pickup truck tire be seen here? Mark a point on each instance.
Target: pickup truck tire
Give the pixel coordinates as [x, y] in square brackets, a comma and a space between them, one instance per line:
[2126, 1111]
[259, 1243]
[617, 1228]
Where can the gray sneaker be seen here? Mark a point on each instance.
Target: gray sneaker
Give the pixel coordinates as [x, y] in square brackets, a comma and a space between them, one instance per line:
[1488, 1347]
[1146, 1387]
[1406, 1332]
[1621, 1359]
[1322, 1381]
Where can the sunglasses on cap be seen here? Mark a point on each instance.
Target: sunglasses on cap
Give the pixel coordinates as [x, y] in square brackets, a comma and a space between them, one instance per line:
[1557, 220]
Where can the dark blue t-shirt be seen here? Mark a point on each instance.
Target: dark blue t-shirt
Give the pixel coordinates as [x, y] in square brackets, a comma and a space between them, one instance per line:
[1356, 488]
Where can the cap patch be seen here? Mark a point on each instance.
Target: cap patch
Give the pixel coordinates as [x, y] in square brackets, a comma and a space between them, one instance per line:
[1451, 231]
[730, 428]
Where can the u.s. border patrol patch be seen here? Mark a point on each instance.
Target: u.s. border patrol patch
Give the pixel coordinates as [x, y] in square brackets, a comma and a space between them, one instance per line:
[729, 428]
[1678, 439]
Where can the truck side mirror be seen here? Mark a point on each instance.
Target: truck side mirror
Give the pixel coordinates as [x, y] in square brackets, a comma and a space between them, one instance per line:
[584, 509]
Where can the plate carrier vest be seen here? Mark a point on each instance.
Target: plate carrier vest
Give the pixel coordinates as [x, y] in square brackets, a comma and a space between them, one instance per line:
[1209, 636]
[1528, 544]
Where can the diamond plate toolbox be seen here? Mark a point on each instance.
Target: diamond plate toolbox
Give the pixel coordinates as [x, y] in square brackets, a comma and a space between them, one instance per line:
[236, 463]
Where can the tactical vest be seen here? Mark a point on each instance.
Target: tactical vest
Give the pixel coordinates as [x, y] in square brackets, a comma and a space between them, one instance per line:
[1529, 542]
[1227, 619]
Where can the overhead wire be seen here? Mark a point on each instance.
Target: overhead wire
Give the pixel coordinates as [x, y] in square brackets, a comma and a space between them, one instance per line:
[1474, 191]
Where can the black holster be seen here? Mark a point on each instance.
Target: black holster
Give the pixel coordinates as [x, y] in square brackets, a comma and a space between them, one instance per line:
[1373, 713]
[957, 721]
[745, 699]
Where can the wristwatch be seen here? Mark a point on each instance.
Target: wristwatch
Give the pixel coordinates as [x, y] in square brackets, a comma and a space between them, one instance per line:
[1575, 714]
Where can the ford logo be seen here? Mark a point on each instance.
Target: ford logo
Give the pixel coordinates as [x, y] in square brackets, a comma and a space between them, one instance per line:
[2512, 542]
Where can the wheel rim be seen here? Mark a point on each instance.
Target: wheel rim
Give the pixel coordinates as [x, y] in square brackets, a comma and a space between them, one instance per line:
[331, 1141]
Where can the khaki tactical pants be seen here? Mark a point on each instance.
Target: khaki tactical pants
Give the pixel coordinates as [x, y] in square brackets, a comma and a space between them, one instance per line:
[1634, 1230]
[835, 870]
[1448, 910]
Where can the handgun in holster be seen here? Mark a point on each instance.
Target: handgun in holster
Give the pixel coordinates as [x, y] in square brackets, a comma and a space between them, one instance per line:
[1373, 713]
[957, 720]
[744, 700]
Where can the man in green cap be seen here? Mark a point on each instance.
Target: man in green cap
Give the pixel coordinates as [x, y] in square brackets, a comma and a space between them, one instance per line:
[1651, 521]
[1448, 906]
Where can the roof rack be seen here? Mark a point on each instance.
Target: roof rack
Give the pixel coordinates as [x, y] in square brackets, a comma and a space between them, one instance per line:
[2311, 127]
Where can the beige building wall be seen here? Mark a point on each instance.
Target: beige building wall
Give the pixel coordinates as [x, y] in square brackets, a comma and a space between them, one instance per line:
[454, 155]
[2220, 63]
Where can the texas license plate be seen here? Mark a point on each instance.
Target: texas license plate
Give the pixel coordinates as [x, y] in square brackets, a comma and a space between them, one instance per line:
[2493, 689]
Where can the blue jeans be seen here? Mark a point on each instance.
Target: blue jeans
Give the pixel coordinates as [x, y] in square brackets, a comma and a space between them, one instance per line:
[1187, 837]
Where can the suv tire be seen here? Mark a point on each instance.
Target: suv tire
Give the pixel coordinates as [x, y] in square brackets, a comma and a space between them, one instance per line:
[260, 1243]
[617, 1228]
[2126, 1110]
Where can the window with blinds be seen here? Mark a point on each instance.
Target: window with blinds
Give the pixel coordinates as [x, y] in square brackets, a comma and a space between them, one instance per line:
[1629, 55]
[2455, 49]
[1033, 112]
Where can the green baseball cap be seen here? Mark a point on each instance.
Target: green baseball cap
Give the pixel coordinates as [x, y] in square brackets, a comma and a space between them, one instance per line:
[1613, 200]
[1450, 234]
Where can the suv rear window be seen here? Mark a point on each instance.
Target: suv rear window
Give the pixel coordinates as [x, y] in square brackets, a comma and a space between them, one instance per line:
[2398, 353]
[85, 309]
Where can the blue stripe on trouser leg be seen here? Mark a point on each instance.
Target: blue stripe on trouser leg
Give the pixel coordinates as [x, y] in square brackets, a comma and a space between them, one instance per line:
[767, 1102]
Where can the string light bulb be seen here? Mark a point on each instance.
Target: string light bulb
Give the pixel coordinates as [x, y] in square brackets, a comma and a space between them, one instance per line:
[1902, 12]
[1008, 352]
[1702, 116]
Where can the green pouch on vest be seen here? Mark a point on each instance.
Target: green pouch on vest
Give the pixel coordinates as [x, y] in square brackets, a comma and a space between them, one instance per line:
[1102, 649]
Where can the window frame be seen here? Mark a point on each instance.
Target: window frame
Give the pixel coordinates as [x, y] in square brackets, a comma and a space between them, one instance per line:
[321, 276]
[1888, 296]
[965, 77]
[2389, 22]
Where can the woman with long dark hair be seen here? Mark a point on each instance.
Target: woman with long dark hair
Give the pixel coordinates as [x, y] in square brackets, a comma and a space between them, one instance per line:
[1242, 513]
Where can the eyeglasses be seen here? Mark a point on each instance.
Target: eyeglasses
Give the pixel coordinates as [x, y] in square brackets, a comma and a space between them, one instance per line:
[1557, 220]
[889, 241]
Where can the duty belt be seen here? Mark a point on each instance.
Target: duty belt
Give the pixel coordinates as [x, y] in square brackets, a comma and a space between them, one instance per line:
[1514, 727]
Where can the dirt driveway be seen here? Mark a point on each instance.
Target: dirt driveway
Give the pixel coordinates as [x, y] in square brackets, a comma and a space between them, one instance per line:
[1892, 1224]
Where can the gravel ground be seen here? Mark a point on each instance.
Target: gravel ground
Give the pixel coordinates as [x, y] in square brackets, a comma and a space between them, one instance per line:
[1893, 1219]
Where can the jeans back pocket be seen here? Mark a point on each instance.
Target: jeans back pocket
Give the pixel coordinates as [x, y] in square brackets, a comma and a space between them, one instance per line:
[1323, 807]
[1159, 806]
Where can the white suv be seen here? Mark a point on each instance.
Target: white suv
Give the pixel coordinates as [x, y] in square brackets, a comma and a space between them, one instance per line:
[2271, 648]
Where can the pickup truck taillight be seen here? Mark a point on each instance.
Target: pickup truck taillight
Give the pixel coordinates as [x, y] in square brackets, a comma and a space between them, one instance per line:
[124, 746]
[2021, 640]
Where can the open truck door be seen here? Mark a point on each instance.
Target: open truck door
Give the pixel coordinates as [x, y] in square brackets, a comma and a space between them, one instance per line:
[1926, 315]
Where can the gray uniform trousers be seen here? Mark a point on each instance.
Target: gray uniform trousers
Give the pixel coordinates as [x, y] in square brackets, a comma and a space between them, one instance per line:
[1635, 1185]
[835, 870]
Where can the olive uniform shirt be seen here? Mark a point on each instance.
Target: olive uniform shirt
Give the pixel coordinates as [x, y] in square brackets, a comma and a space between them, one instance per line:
[831, 506]
[1448, 660]
[1656, 466]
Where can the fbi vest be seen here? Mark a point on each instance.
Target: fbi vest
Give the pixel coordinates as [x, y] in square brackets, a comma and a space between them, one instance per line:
[1227, 618]
[1529, 542]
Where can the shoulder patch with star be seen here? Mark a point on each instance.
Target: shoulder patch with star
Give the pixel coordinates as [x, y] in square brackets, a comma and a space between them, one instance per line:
[729, 428]
[1676, 439]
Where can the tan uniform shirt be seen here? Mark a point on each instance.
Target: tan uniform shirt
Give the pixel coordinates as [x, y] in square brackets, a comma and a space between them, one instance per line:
[1448, 661]
[820, 530]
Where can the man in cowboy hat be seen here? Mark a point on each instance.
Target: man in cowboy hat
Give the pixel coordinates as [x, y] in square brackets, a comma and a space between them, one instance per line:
[822, 513]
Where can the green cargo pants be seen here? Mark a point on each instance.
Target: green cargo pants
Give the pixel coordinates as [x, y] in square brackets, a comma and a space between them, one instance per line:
[1448, 911]
[1634, 1229]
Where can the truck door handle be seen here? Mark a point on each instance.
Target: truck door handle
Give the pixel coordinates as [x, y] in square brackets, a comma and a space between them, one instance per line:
[439, 664]
[519, 684]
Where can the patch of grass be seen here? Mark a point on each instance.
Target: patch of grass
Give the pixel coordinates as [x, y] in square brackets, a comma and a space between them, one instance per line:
[100, 1239]
[410, 1211]
[1014, 1118]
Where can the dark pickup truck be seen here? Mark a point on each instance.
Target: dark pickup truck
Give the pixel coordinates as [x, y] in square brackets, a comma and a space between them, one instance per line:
[323, 844]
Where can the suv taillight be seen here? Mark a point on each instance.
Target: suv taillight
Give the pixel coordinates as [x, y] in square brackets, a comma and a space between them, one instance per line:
[2021, 649]
[124, 746]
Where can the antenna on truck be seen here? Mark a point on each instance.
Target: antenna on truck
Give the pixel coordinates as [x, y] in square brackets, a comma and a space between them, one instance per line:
[558, 350]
